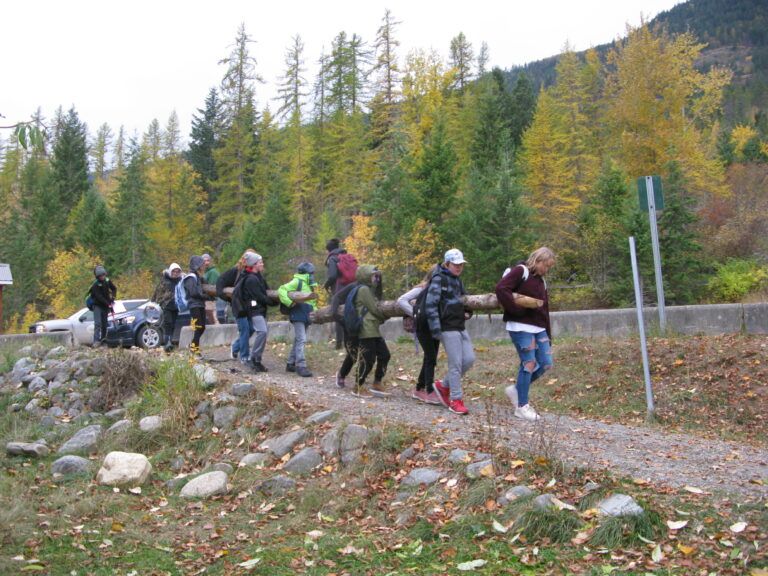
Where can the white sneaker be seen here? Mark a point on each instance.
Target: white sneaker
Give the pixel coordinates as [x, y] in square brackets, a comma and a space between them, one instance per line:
[511, 392]
[526, 413]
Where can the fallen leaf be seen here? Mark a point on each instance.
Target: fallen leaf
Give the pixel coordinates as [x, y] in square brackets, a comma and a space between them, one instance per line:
[451, 483]
[315, 534]
[516, 464]
[738, 527]
[499, 528]
[677, 524]
[693, 490]
[136, 490]
[657, 555]
[249, 564]
[686, 550]
[471, 565]
[349, 549]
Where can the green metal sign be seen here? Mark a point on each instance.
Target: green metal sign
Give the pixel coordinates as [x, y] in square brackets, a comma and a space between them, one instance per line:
[642, 192]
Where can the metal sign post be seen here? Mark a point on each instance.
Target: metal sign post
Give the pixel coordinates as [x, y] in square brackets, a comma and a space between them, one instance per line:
[654, 199]
[641, 327]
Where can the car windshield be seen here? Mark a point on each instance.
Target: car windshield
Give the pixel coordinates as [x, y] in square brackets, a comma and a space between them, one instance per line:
[85, 315]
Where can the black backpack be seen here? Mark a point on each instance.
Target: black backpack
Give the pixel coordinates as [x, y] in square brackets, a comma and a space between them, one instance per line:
[421, 324]
[237, 302]
[353, 322]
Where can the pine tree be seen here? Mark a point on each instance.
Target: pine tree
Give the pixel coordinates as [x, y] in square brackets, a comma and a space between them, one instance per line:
[383, 105]
[461, 60]
[89, 224]
[152, 140]
[100, 150]
[522, 109]
[204, 139]
[69, 163]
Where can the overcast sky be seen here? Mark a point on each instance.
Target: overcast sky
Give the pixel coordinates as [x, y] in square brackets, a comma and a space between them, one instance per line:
[125, 63]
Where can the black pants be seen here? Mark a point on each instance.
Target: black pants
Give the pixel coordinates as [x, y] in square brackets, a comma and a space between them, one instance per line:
[100, 319]
[430, 346]
[352, 346]
[169, 324]
[372, 351]
[341, 336]
[198, 322]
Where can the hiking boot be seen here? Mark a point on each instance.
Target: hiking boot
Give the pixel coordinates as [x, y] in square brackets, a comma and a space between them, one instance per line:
[443, 393]
[303, 371]
[526, 413]
[378, 389]
[361, 392]
[290, 367]
[417, 394]
[339, 381]
[432, 398]
[257, 366]
[457, 407]
[511, 392]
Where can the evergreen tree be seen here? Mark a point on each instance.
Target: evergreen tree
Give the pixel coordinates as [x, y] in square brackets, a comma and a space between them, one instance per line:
[100, 150]
[522, 109]
[152, 140]
[204, 139]
[69, 163]
[384, 102]
[90, 224]
[461, 60]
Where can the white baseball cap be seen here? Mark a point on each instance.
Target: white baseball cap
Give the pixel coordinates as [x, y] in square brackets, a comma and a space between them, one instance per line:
[454, 256]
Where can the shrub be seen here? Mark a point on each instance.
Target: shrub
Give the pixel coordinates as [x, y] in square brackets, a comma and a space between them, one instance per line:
[124, 375]
[737, 278]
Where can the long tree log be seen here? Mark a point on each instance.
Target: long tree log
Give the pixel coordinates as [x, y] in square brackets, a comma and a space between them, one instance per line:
[390, 309]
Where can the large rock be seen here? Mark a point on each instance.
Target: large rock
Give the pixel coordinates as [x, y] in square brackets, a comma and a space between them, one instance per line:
[120, 427]
[353, 440]
[22, 368]
[205, 485]
[36, 449]
[256, 459]
[321, 417]
[619, 505]
[225, 416]
[71, 464]
[281, 445]
[242, 389]
[38, 383]
[277, 485]
[479, 469]
[124, 468]
[329, 443]
[421, 477]
[84, 441]
[151, 423]
[56, 352]
[207, 375]
[304, 462]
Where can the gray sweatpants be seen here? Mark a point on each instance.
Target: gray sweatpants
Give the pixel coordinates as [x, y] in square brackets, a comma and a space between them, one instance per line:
[299, 339]
[259, 325]
[461, 356]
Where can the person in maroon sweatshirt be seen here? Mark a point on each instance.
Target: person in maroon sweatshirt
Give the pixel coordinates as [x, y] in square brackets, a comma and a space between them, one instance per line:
[529, 327]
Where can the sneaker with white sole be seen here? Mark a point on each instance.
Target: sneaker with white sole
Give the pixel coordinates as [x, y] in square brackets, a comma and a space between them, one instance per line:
[526, 413]
[417, 394]
[433, 398]
[511, 392]
[339, 381]
[378, 389]
[443, 393]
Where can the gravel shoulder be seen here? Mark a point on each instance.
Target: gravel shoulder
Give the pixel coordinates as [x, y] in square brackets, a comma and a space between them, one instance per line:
[666, 459]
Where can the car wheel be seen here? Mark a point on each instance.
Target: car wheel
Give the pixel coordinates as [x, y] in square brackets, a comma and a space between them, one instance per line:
[148, 337]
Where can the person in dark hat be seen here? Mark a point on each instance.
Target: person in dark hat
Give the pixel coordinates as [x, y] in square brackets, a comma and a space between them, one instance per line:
[196, 299]
[103, 293]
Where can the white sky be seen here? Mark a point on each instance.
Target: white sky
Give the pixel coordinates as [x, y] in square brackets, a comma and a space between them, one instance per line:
[129, 62]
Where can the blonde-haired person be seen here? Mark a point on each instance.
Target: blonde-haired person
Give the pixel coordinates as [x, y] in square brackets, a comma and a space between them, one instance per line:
[528, 327]
[425, 390]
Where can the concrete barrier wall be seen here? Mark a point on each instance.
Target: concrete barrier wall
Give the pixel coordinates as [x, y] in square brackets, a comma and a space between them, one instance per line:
[63, 338]
[699, 319]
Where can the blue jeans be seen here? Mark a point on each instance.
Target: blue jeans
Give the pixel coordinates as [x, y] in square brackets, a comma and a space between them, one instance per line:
[296, 355]
[244, 331]
[535, 355]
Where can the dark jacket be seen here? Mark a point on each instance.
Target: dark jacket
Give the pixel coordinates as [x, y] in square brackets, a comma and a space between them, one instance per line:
[338, 300]
[103, 293]
[227, 280]
[332, 269]
[253, 294]
[165, 292]
[535, 287]
[444, 307]
[193, 286]
[366, 300]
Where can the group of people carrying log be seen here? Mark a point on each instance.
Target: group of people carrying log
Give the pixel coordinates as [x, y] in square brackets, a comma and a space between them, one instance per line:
[435, 311]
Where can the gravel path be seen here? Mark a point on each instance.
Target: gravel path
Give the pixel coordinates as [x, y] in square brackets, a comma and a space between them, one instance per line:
[674, 460]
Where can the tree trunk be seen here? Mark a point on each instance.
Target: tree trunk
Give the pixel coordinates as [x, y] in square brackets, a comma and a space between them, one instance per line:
[390, 309]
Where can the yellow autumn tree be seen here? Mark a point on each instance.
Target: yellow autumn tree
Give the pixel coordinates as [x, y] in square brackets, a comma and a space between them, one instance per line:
[660, 108]
[362, 240]
[68, 276]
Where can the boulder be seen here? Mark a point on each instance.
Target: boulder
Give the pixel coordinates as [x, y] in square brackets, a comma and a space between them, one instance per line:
[304, 462]
[277, 485]
[321, 417]
[151, 423]
[329, 443]
[282, 445]
[71, 464]
[38, 383]
[421, 477]
[480, 469]
[85, 440]
[124, 468]
[353, 440]
[36, 449]
[619, 505]
[120, 427]
[225, 416]
[241, 389]
[205, 485]
[256, 459]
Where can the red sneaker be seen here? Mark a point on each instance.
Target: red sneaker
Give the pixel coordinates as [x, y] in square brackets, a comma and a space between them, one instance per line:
[419, 395]
[433, 398]
[457, 407]
[443, 393]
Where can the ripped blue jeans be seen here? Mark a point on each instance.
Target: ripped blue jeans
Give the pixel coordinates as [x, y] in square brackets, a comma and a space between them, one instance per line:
[535, 355]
